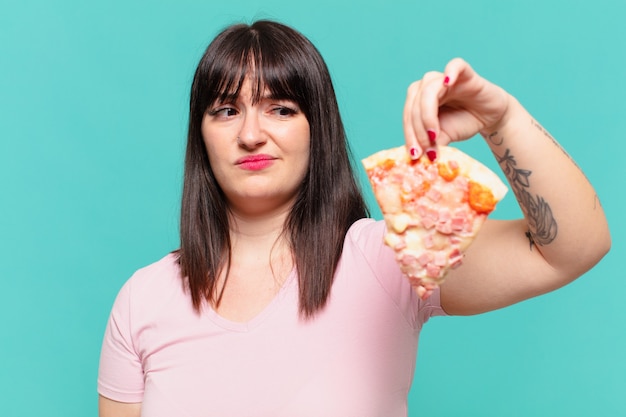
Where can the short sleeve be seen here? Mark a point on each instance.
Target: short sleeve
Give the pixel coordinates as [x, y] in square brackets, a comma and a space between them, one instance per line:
[120, 375]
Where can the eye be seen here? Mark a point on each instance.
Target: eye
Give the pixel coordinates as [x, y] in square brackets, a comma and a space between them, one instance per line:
[223, 111]
[285, 110]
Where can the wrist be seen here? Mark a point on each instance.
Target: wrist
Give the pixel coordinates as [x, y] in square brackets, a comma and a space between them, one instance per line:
[511, 112]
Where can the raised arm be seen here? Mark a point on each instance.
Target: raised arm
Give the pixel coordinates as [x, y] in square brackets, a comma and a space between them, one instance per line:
[564, 231]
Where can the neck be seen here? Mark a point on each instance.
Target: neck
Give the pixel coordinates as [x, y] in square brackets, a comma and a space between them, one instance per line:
[257, 227]
[259, 235]
[261, 262]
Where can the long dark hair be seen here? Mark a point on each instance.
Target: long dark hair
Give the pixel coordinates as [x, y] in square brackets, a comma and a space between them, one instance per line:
[283, 61]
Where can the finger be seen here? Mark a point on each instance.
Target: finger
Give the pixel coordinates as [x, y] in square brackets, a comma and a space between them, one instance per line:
[456, 69]
[410, 134]
[455, 125]
[418, 135]
[432, 93]
[452, 70]
[431, 99]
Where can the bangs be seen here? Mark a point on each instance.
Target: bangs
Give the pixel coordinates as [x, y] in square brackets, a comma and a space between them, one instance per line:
[270, 69]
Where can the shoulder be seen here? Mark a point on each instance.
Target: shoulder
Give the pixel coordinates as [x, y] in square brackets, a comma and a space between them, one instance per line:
[156, 276]
[365, 239]
[364, 245]
[153, 285]
[162, 272]
[367, 236]
[366, 231]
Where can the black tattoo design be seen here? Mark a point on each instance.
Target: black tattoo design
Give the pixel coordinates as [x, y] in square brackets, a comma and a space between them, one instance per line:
[530, 239]
[542, 227]
[493, 138]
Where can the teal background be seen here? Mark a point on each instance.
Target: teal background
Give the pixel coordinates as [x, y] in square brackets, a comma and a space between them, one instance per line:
[93, 99]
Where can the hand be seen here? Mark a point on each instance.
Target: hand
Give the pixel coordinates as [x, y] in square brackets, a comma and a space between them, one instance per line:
[451, 106]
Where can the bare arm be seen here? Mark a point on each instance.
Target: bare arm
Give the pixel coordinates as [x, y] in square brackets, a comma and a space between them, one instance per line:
[564, 230]
[110, 408]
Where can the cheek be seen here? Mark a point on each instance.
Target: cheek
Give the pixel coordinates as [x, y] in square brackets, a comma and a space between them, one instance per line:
[210, 152]
[209, 149]
[213, 155]
[210, 138]
[304, 159]
[211, 146]
[215, 161]
[304, 145]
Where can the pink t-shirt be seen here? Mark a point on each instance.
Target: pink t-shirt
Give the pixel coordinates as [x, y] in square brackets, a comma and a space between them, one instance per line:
[355, 358]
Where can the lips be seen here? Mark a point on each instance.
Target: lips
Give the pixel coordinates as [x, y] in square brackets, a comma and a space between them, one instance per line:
[255, 162]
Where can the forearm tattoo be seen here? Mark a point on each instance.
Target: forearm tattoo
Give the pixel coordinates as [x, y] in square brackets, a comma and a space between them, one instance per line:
[493, 138]
[541, 223]
[542, 226]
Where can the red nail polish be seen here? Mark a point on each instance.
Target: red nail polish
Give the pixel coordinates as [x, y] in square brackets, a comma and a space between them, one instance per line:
[446, 81]
[413, 152]
[432, 136]
[431, 154]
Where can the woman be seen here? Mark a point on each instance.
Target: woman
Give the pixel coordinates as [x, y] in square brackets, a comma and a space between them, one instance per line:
[283, 300]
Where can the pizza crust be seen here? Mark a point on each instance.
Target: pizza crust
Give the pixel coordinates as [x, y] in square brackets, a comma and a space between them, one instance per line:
[470, 167]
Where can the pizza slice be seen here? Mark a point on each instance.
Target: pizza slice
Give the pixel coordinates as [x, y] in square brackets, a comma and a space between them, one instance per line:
[433, 210]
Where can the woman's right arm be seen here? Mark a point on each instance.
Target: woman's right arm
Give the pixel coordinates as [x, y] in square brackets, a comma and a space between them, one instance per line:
[110, 408]
[120, 374]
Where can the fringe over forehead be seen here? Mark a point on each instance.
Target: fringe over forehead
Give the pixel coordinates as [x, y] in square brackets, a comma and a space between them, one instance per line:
[276, 60]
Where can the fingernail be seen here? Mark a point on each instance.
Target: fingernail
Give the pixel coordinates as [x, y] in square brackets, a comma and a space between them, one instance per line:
[446, 81]
[413, 152]
[431, 154]
[432, 136]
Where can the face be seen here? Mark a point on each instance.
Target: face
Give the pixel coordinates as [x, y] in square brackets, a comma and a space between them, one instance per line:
[259, 152]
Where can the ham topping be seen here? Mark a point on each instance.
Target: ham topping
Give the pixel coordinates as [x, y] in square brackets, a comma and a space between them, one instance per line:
[429, 212]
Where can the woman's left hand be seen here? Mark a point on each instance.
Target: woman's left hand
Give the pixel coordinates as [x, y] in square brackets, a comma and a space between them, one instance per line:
[451, 106]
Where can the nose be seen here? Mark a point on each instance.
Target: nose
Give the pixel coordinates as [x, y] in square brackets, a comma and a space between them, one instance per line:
[251, 134]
